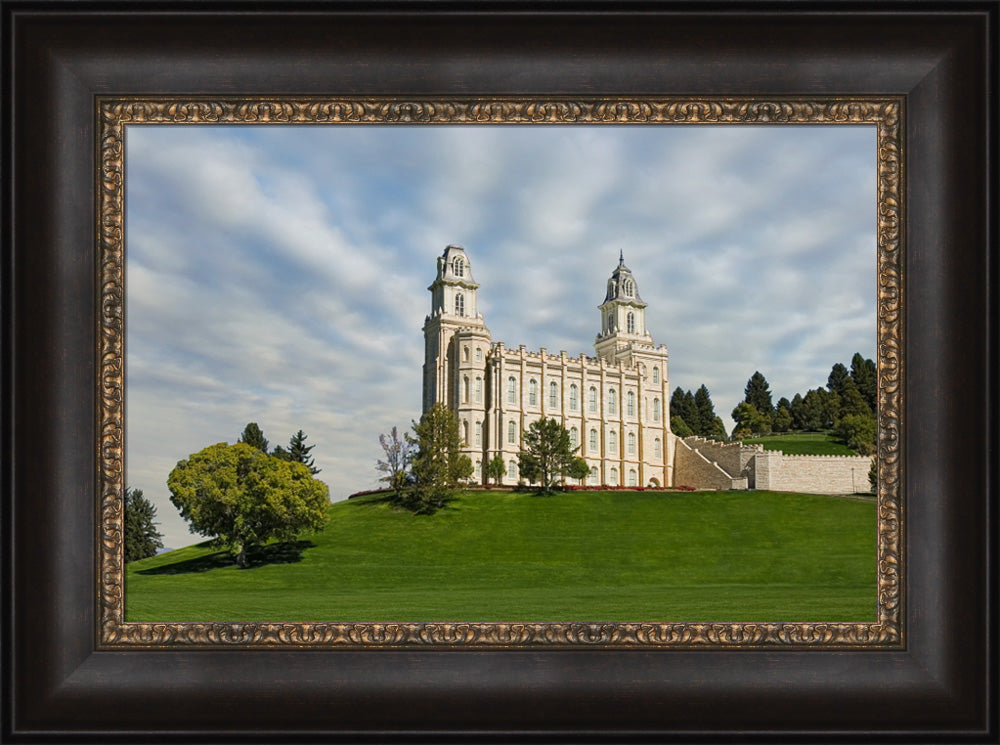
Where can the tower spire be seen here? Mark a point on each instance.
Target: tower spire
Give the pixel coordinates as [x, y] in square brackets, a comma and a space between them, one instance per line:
[621, 257]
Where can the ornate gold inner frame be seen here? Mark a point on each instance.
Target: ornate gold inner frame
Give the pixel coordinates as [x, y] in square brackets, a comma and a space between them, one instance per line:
[886, 113]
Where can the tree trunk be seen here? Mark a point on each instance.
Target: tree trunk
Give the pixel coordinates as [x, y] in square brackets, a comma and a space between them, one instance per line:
[241, 556]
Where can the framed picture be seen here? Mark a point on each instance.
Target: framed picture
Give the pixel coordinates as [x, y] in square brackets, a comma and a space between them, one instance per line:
[917, 667]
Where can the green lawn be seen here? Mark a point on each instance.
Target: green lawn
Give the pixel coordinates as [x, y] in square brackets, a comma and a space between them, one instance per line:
[812, 443]
[574, 556]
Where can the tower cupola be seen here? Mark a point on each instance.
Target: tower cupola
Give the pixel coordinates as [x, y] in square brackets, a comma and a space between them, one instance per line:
[453, 292]
[622, 313]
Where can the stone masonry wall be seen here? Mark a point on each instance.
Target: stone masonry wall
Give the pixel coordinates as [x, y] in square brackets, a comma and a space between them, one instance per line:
[691, 468]
[814, 474]
[731, 457]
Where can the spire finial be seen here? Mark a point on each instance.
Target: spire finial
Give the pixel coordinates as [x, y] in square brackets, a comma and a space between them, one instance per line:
[621, 257]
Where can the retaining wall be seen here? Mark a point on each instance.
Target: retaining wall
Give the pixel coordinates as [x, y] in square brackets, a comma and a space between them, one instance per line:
[814, 474]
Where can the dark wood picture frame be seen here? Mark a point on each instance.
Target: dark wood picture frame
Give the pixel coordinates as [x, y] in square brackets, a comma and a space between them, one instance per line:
[60, 686]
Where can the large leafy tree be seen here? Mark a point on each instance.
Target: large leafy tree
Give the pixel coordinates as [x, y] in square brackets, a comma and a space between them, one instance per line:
[858, 432]
[254, 437]
[749, 421]
[245, 497]
[758, 394]
[547, 456]
[142, 539]
[438, 464]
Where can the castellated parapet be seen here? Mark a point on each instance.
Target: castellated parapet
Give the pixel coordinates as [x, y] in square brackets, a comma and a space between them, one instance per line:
[777, 471]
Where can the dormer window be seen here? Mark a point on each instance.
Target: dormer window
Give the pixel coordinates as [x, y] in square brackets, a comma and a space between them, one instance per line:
[458, 267]
[628, 287]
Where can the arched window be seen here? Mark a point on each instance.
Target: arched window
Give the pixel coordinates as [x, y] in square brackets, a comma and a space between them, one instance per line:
[629, 287]
[613, 477]
[630, 323]
[479, 433]
[479, 469]
[612, 401]
[512, 470]
[631, 443]
[460, 304]
[633, 477]
[465, 353]
[465, 389]
[532, 392]
[479, 354]
[553, 395]
[656, 375]
[511, 390]
[657, 448]
[479, 390]
[465, 432]
[630, 403]
[574, 437]
[656, 409]
[573, 397]
[612, 442]
[593, 474]
[592, 399]
[611, 322]
[593, 440]
[511, 432]
[459, 267]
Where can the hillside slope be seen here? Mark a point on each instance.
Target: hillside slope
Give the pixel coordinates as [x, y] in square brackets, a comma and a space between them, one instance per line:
[580, 556]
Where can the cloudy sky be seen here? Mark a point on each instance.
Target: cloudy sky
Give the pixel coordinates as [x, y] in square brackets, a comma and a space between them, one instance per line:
[279, 274]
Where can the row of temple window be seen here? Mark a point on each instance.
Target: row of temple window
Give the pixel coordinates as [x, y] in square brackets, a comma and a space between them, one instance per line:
[574, 439]
[633, 476]
[612, 397]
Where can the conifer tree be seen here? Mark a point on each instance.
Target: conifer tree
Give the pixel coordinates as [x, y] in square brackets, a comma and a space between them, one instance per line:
[439, 463]
[141, 536]
[865, 377]
[758, 394]
[254, 437]
[298, 451]
[547, 456]
[838, 376]
[709, 425]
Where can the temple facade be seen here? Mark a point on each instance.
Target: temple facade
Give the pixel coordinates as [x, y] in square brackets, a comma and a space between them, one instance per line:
[614, 404]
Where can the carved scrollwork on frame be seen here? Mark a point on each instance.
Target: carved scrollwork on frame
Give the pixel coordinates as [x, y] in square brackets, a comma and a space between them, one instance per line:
[885, 113]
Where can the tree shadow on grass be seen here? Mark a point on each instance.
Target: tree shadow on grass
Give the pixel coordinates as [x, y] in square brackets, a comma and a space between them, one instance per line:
[286, 552]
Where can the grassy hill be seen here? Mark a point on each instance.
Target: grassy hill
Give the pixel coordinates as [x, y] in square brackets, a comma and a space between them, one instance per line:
[809, 443]
[573, 556]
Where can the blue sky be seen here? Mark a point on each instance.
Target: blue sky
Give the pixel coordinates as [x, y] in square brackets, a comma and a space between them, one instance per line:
[279, 274]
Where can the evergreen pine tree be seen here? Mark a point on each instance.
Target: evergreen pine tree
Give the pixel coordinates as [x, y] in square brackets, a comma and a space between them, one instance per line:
[758, 394]
[141, 537]
[298, 451]
[865, 377]
[706, 412]
[838, 376]
[254, 437]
